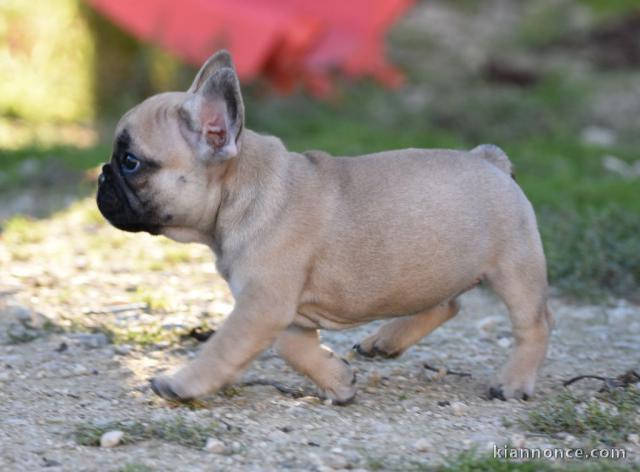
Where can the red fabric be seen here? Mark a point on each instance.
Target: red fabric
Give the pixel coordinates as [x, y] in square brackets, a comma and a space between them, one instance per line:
[288, 41]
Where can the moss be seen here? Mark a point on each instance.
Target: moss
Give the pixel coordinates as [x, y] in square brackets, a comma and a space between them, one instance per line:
[176, 431]
[608, 418]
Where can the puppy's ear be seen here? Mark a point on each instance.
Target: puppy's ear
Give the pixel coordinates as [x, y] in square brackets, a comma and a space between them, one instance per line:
[216, 62]
[212, 118]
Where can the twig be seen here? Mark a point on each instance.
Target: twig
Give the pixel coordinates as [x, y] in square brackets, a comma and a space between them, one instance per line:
[623, 380]
[446, 371]
[566, 383]
[118, 308]
[291, 392]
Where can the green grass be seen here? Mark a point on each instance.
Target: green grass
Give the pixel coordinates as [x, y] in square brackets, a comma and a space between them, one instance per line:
[471, 461]
[609, 8]
[593, 253]
[134, 467]
[74, 158]
[176, 431]
[608, 418]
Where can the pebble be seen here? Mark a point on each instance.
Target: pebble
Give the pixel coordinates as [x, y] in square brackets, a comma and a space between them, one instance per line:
[111, 438]
[459, 408]
[504, 342]
[92, 340]
[489, 323]
[79, 369]
[517, 441]
[422, 445]
[374, 378]
[215, 446]
[336, 460]
[20, 313]
[19, 333]
[598, 136]
[123, 349]
[278, 436]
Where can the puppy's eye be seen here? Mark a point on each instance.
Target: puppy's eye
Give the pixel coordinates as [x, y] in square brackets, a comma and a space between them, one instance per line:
[130, 164]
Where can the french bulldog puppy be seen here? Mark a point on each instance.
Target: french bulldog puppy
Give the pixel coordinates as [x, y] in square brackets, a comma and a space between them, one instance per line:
[310, 241]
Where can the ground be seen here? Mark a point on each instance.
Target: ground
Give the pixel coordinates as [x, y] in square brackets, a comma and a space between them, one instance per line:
[90, 313]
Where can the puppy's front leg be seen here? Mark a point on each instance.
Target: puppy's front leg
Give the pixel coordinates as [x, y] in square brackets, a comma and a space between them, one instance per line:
[259, 316]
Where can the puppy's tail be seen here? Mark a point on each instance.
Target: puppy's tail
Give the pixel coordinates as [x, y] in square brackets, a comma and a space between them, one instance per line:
[496, 156]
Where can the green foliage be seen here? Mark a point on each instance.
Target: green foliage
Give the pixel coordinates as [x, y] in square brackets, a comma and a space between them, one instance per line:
[22, 230]
[134, 467]
[176, 431]
[608, 8]
[46, 59]
[595, 253]
[470, 461]
[608, 418]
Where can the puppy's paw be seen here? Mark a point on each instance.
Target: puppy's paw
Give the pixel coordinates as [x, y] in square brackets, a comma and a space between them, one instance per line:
[161, 386]
[343, 390]
[175, 388]
[502, 392]
[371, 348]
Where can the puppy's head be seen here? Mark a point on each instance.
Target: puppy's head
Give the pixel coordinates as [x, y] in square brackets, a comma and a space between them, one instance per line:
[170, 154]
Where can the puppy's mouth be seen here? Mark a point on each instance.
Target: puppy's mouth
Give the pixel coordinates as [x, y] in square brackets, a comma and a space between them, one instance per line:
[114, 202]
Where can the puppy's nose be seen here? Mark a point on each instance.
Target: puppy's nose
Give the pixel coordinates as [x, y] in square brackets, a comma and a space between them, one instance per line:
[106, 173]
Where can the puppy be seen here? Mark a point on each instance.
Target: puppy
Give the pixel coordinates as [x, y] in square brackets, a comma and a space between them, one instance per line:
[310, 241]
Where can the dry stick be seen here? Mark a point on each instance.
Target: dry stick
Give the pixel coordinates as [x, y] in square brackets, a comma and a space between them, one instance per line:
[623, 380]
[566, 383]
[446, 371]
[292, 392]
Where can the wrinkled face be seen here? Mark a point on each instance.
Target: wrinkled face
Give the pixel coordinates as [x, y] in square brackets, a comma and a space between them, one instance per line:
[169, 156]
[153, 180]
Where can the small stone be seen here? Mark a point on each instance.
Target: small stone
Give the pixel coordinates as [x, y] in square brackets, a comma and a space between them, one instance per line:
[422, 445]
[278, 436]
[336, 460]
[123, 349]
[517, 441]
[504, 342]
[20, 313]
[459, 408]
[92, 340]
[634, 438]
[79, 369]
[374, 378]
[18, 333]
[111, 438]
[598, 136]
[489, 323]
[50, 462]
[215, 446]
[617, 166]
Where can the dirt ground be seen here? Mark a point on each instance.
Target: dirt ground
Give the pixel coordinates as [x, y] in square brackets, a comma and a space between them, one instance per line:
[88, 314]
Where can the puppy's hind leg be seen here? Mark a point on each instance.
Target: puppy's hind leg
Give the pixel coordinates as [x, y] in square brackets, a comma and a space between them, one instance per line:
[522, 285]
[302, 350]
[396, 336]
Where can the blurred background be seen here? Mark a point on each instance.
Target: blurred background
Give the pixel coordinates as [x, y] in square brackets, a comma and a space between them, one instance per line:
[556, 83]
